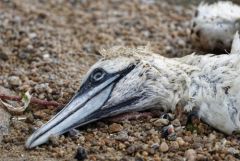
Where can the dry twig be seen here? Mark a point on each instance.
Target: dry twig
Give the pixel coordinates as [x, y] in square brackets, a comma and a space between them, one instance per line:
[33, 100]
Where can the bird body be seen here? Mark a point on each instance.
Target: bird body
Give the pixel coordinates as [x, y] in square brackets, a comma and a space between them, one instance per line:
[213, 26]
[128, 80]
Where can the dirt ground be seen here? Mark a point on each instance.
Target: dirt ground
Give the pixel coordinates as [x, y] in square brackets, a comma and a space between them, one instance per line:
[47, 46]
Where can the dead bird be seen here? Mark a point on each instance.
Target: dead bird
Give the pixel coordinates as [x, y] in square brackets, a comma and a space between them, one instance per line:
[214, 25]
[127, 80]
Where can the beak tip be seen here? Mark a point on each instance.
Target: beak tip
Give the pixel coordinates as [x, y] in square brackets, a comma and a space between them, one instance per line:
[28, 144]
[32, 142]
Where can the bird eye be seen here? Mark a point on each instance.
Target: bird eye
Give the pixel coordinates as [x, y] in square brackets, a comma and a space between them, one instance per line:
[98, 75]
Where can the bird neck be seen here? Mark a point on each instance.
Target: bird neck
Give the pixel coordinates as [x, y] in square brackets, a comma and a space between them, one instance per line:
[175, 79]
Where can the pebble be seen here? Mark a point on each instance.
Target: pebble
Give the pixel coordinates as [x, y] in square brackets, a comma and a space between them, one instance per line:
[3, 56]
[44, 87]
[14, 81]
[122, 136]
[139, 159]
[176, 123]
[24, 55]
[74, 133]
[164, 147]
[132, 149]
[32, 35]
[161, 122]
[29, 118]
[81, 139]
[212, 137]
[233, 150]
[174, 145]
[167, 130]
[113, 128]
[190, 155]
[46, 56]
[168, 49]
[181, 42]
[155, 145]
[121, 146]
[38, 123]
[180, 141]
[81, 154]
[40, 114]
[54, 140]
[172, 136]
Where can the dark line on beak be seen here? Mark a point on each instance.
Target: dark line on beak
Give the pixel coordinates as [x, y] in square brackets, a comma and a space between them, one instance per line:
[122, 74]
[98, 115]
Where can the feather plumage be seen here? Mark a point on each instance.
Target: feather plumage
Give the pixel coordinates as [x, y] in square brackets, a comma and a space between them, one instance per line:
[214, 26]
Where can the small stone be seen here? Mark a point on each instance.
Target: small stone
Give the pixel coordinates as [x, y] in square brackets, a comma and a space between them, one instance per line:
[24, 55]
[88, 47]
[60, 153]
[74, 133]
[46, 56]
[176, 123]
[131, 139]
[190, 155]
[30, 118]
[174, 145]
[122, 136]
[43, 87]
[132, 149]
[180, 141]
[113, 128]
[121, 146]
[3, 56]
[139, 159]
[81, 154]
[161, 122]
[54, 140]
[212, 137]
[32, 35]
[38, 123]
[14, 81]
[181, 43]
[172, 136]
[223, 142]
[40, 114]
[168, 49]
[167, 130]
[155, 145]
[81, 139]
[164, 147]
[145, 153]
[217, 146]
[233, 151]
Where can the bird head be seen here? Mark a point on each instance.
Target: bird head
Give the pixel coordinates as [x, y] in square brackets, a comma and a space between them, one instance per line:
[114, 85]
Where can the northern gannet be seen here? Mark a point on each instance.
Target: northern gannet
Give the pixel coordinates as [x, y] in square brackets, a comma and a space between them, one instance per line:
[214, 25]
[128, 80]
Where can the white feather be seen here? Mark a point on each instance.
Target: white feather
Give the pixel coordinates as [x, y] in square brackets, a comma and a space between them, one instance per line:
[214, 26]
[208, 83]
[235, 49]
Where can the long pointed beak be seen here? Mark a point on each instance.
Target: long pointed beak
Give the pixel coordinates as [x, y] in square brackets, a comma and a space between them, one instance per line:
[75, 113]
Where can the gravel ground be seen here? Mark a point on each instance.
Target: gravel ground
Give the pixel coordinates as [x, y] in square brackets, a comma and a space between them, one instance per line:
[47, 46]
